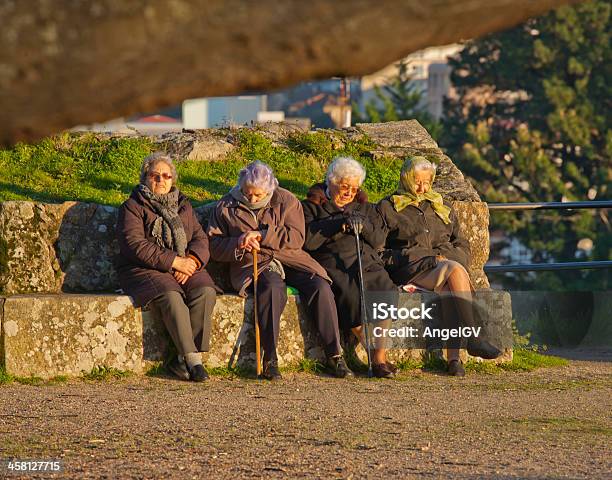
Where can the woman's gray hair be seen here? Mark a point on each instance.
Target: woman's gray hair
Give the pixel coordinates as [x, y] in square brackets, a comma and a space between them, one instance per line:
[151, 160]
[258, 175]
[345, 167]
[420, 164]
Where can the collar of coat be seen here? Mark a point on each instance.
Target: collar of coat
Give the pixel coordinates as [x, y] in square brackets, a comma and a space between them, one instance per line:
[316, 195]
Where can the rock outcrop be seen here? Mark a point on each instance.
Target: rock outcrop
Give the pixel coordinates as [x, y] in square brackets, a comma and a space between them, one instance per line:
[59, 62]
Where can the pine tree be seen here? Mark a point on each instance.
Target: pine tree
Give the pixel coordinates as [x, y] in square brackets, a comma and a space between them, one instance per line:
[530, 121]
[400, 99]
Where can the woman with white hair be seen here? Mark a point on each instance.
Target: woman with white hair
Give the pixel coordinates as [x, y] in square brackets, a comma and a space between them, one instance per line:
[259, 215]
[426, 249]
[329, 210]
[163, 252]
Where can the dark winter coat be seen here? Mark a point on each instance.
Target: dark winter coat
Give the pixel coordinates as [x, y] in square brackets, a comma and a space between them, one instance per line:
[282, 224]
[415, 236]
[144, 267]
[335, 249]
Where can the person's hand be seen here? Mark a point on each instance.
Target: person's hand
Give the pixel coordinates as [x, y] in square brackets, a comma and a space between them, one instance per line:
[185, 265]
[354, 223]
[180, 277]
[250, 241]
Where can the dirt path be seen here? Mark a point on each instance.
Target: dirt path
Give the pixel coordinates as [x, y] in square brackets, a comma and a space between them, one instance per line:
[548, 423]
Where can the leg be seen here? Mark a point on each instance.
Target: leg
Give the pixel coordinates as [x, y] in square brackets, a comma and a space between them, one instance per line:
[271, 301]
[317, 295]
[201, 303]
[171, 308]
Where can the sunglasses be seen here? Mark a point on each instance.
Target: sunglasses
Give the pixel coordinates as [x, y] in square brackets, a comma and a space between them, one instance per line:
[158, 176]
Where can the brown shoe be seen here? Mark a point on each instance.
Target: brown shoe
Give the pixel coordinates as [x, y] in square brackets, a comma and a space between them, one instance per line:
[391, 367]
[381, 370]
[455, 368]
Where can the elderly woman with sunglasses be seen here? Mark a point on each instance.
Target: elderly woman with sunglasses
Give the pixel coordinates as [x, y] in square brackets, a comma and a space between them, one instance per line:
[161, 265]
[426, 249]
[259, 215]
[330, 209]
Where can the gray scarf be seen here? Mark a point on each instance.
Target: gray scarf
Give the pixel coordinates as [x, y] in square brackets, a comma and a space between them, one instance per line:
[237, 194]
[168, 229]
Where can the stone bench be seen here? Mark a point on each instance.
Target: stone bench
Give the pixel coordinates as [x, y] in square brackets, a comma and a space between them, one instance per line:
[66, 334]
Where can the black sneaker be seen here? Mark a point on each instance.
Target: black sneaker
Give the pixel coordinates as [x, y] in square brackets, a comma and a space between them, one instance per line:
[198, 373]
[482, 349]
[337, 367]
[271, 371]
[455, 368]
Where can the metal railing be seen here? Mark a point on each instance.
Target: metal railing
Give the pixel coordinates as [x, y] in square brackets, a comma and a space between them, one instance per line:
[535, 267]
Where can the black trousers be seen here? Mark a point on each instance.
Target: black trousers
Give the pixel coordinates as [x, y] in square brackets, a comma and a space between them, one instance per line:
[315, 293]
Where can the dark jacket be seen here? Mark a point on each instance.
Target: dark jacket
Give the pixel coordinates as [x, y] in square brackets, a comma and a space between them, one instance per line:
[282, 224]
[335, 249]
[329, 244]
[416, 235]
[145, 268]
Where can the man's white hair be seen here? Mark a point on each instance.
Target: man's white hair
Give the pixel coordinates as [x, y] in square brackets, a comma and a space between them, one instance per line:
[345, 167]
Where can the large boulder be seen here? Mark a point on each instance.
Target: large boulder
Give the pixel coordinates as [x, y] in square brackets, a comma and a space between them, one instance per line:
[57, 59]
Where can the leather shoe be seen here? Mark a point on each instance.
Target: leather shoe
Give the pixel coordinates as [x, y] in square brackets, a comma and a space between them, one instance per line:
[271, 371]
[337, 367]
[381, 370]
[482, 349]
[455, 368]
[197, 373]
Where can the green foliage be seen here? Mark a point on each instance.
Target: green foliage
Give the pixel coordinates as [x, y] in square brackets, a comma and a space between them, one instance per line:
[400, 99]
[86, 168]
[104, 373]
[7, 378]
[72, 167]
[531, 122]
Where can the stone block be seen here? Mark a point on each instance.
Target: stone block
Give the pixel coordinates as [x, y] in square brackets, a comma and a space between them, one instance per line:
[48, 335]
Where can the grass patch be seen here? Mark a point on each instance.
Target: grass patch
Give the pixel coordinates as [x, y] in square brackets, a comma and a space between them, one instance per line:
[307, 365]
[7, 378]
[231, 372]
[85, 167]
[156, 370]
[104, 373]
[523, 360]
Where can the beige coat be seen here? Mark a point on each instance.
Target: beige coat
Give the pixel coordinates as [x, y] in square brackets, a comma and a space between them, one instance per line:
[282, 226]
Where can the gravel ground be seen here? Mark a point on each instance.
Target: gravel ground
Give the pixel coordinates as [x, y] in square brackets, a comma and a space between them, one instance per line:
[551, 423]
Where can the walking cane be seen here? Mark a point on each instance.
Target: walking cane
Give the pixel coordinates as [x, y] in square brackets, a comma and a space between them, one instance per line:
[364, 318]
[255, 316]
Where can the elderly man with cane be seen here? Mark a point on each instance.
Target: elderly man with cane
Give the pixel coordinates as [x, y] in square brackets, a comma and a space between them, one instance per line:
[259, 216]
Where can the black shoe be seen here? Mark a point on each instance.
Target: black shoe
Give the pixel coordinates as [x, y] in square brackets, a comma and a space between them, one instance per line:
[197, 373]
[391, 367]
[482, 349]
[178, 368]
[271, 371]
[455, 368]
[381, 370]
[337, 367]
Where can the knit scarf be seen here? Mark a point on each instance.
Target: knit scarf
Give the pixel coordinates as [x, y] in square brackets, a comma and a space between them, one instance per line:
[237, 194]
[168, 228]
[406, 193]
